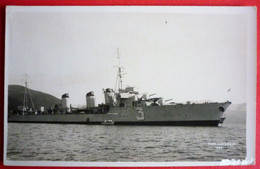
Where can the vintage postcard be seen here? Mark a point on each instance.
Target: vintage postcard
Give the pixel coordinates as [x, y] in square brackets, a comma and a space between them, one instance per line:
[130, 86]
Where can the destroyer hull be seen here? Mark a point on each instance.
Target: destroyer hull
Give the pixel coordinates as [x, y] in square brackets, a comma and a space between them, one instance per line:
[206, 114]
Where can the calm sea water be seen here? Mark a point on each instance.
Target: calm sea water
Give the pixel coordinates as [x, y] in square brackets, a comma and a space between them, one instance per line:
[65, 142]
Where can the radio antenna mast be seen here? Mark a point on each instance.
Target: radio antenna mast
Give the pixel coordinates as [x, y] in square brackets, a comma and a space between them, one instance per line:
[119, 85]
[27, 92]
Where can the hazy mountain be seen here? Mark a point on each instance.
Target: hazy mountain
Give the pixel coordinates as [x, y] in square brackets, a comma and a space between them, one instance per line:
[240, 107]
[16, 98]
[236, 113]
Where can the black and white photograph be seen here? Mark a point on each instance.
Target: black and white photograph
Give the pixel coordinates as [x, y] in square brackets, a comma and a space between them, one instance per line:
[130, 86]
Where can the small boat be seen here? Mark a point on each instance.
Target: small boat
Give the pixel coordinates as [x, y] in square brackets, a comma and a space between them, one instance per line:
[108, 122]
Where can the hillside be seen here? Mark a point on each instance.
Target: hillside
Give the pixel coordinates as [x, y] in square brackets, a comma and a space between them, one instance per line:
[236, 114]
[16, 97]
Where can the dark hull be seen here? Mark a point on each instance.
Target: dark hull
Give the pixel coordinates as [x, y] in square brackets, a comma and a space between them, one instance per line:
[144, 123]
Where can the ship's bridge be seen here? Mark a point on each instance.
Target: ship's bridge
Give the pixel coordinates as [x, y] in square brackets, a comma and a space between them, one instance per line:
[127, 97]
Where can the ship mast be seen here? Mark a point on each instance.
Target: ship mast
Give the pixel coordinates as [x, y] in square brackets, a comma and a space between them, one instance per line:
[119, 85]
[27, 92]
[25, 96]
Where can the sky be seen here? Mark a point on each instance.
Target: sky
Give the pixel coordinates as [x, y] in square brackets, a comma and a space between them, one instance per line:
[182, 54]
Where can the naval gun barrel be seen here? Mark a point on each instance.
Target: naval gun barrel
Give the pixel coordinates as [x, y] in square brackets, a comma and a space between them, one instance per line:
[168, 100]
[152, 94]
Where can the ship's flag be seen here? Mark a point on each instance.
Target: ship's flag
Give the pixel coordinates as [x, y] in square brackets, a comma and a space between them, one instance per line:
[229, 90]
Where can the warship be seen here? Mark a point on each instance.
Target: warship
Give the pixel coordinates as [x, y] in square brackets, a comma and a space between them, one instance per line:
[126, 106]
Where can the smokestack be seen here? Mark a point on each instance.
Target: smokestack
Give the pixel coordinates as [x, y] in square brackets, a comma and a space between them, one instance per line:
[90, 99]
